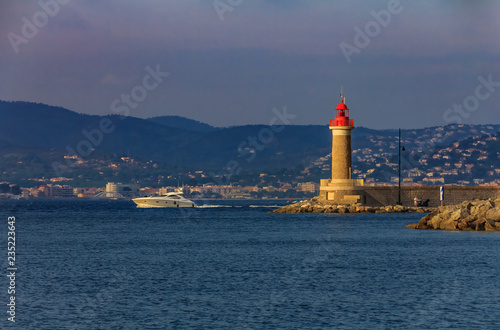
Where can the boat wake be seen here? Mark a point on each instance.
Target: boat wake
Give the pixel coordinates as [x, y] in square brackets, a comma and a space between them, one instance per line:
[205, 206]
[273, 206]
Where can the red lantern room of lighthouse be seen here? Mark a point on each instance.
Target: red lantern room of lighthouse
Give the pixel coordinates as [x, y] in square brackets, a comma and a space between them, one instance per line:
[342, 115]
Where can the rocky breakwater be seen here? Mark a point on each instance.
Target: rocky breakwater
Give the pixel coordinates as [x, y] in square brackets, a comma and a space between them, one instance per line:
[480, 215]
[315, 205]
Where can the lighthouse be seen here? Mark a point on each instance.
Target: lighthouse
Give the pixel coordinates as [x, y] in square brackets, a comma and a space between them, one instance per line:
[341, 188]
[341, 128]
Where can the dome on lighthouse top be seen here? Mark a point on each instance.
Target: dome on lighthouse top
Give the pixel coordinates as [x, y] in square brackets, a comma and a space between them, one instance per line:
[342, 115]
[342, 106]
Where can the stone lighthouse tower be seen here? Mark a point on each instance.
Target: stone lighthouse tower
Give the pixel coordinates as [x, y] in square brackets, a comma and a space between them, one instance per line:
[341, 128]
[341, 188]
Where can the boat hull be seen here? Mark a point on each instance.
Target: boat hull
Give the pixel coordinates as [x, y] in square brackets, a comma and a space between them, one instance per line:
[147, 202]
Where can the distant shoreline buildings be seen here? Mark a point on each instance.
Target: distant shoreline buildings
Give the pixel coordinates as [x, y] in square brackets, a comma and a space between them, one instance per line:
[115, 190]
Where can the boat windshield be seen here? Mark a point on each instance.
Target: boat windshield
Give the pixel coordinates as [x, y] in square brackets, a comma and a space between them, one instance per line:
[173, 196]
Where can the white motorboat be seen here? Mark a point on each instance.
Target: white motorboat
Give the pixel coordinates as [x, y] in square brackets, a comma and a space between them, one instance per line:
[172, 199]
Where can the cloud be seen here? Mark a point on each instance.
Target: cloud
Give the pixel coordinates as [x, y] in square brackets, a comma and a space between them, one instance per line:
[264, 54]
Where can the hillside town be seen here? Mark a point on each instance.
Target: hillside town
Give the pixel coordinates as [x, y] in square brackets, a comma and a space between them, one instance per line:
[451, 165]
[463, 163]
[434, 156]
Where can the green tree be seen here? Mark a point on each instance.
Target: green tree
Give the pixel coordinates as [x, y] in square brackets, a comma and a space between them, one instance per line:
[4, 188]
[15, 190]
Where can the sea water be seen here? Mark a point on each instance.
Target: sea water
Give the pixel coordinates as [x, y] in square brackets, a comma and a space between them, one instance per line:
[228, 265]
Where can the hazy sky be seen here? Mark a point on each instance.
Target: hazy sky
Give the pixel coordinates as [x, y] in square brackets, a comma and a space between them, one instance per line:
[230, 62]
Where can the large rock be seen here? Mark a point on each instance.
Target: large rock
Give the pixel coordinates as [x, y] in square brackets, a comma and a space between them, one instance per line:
[493, 214]
[480, 209]
[478, 225]
[343, 209]
[360, 209]
[476, 215]
[489, 227]
[369, 209]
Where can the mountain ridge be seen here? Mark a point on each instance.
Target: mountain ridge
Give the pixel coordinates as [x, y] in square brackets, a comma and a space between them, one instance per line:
[199, 145]
[183, 122]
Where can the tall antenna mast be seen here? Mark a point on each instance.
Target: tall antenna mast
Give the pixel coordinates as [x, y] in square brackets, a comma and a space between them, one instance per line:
[342, 98]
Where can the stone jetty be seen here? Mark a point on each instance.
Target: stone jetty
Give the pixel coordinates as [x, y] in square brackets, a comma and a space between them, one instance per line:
[479, 215]
[315, 205]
